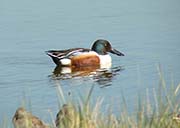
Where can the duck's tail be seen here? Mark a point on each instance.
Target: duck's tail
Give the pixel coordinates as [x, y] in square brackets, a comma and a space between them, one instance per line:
[53, 56]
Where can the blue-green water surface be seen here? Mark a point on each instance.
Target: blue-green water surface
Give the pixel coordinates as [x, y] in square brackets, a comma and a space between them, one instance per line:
[147, 32]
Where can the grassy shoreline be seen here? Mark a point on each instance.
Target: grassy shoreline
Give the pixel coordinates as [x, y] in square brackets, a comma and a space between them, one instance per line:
[163, 112]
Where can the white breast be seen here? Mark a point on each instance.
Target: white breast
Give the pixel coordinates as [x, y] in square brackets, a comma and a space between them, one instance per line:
[105, 61]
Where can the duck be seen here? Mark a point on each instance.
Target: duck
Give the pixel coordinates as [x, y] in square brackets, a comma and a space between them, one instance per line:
[83, 57]
[67, 117]
[24, 119]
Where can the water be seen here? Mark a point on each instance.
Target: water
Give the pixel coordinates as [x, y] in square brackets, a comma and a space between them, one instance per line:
[147, 32]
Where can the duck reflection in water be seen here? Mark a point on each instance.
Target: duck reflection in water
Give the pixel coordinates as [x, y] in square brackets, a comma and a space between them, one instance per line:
[103, 76]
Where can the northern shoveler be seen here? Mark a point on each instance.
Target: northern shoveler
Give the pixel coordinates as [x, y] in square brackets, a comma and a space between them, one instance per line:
[81, 57]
